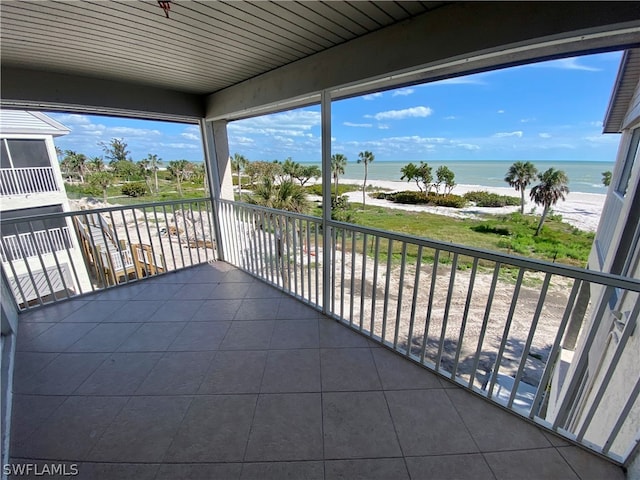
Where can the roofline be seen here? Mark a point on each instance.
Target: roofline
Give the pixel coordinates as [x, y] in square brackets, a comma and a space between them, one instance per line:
[613, 99]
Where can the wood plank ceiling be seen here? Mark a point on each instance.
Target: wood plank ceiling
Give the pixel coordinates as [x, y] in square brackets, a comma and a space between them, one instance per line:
[203, 47]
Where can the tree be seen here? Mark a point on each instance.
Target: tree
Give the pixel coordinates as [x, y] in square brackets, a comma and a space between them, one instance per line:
[179, 170]
[258, 170]
[101, 180]
[519, 176]
[410, 174]
[153, 164]
[606, 178]
[115, 150]
[239, 163]
[96, 164]
[552, 187]
[365, 158]
[338, 164]
[76, 162]
[285, 195]
[446, 176]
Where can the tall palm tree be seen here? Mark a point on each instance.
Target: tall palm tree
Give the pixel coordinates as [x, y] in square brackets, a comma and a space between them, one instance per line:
[153, 164]
[238, 163]
[96, 164]
[78, 163]
[338, 164]
[519, 176]
[365, 157]
[179, 169]
[552, 187]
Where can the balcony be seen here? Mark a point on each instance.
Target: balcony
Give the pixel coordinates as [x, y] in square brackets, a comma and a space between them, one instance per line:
[209, 372]
[28, 180]
[423, 349]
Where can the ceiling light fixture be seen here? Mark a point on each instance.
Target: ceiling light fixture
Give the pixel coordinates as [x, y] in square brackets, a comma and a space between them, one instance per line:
[166, 6]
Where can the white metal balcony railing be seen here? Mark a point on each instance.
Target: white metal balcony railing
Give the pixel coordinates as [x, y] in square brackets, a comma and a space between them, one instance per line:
[492, 323]
[117, 245]
[31, 244]
[19, 181]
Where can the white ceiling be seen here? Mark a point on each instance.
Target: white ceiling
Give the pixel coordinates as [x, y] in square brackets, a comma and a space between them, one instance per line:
[203, 47]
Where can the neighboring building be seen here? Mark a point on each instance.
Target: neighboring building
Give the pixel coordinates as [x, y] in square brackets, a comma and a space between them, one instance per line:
[31, 184]
[605, 360]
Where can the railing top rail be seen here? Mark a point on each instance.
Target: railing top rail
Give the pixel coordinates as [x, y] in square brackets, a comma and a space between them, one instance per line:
[617, 281]
[272, 210]
[48, 216]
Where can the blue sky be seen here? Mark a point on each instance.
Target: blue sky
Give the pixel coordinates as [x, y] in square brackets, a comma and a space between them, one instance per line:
[546, 111]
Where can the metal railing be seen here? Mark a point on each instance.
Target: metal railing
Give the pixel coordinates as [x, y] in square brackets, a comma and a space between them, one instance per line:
[103, 248]
[27, 245]
[490, 322]
[18, 181]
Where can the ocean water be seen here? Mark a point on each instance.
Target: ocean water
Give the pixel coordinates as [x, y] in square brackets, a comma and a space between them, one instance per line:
[585, 177]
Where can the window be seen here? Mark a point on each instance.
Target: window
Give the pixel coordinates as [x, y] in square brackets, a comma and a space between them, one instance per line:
[28, 153]
[623, 183]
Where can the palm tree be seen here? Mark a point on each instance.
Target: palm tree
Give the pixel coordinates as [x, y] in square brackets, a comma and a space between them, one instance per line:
[519, 176]
[238, 163]
[552, 187]
[365, 157]
[101, 180]
[96, 164]
[338, 164]
[179, 169]
[153, 163]
[286, 195]
[77, 162]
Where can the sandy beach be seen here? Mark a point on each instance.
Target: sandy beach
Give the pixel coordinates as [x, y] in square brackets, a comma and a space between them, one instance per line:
[582, 210]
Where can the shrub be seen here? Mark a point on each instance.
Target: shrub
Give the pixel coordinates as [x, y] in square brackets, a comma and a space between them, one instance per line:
[316, 189]
[455, 201]
[340, 209]
[487, 199]
[380, 195]
[134, 189]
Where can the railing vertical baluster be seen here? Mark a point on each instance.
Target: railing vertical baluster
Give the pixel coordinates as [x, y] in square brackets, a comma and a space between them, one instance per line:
[186, 232]
[25, 302]
[342, 269]
[73, 266]
[269, 239]
[432, 291]
[97, 256]
[622, 418]
[162, 252]
[166, 222]
[548, 368]
[195, 233]
[414, 301]
[485, 321]
[532, 332]
[225, 241]
[26, 262]
[302, 249]
[505, 333]
[199, 206]
[363, 279]
[54, 251]
[374, 289]
[294, 242]
[403, 263]
[324, 266]
[445, 317]
[465, 315]
[288, 245]
[308, 237]
[152, 268]
[386, 290]
[267, 254]
[353, 276]
[257, 248]
[257, 215]
[178, 233]
[119, 247]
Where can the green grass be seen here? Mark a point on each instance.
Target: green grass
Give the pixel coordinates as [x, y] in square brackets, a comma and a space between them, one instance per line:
[512, 234]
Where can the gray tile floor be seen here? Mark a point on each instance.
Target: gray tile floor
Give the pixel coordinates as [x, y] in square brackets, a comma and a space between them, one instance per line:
[208, 373]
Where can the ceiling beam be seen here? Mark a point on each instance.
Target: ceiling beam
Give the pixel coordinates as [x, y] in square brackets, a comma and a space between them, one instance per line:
[455, 38]
[38, 90]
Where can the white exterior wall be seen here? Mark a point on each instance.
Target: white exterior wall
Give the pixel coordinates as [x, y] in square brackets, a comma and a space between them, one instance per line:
[32, 200]
[613, 225]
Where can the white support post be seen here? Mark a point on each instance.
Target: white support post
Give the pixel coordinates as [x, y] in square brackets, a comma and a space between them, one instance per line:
[327, 254]
[213, 177]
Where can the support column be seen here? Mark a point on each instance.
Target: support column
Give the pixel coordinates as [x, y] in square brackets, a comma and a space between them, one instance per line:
[216, 154]
[327, 253]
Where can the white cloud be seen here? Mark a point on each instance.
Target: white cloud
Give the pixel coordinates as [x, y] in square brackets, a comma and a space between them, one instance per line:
[372, 96]
[500, 111]
[596, 124]
[190, 136]
[518, 134]
[72, 119]
[400, 114]
[527, 120]
[468, 146]
[383, 126]
[403, 92]
[450, 117]
[364, 125]
[544, 135]
[566, 64]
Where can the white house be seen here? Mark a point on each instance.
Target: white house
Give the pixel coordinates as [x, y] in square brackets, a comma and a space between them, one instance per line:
[31, 185]
[605, 360]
